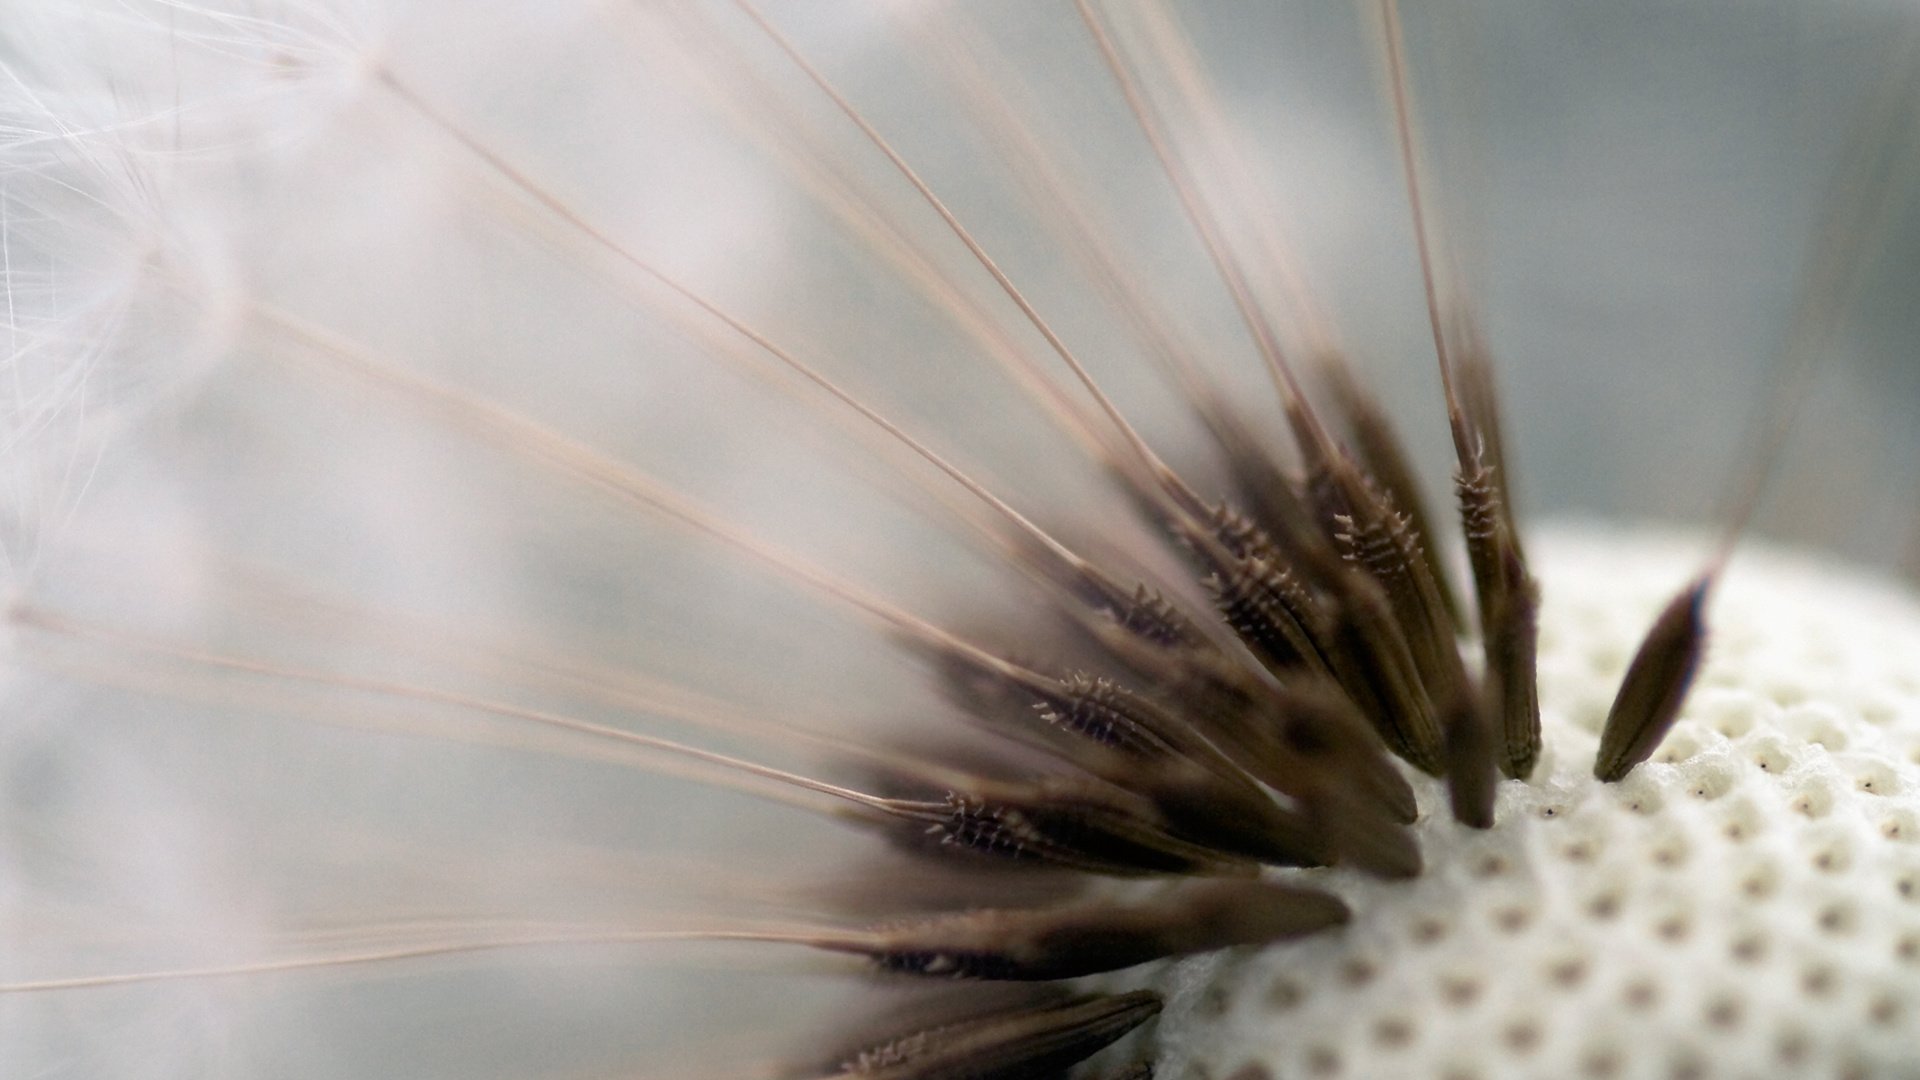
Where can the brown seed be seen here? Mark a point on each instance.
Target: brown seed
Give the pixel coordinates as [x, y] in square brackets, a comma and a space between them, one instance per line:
[1655, 685]
[1090, 938]
[1307, 737]
[1472, 772]
[1236, 818]
[1375, 665]
[1385, 457]
[1512, 632]
[1270, 610]
[1081, 825]
[1036, 1041]
[1375, 536]
[1109, 714]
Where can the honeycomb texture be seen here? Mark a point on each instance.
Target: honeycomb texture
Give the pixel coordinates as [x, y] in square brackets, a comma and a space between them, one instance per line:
[1745, 905]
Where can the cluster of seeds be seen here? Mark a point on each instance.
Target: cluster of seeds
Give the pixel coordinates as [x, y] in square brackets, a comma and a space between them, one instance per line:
[1200, 757]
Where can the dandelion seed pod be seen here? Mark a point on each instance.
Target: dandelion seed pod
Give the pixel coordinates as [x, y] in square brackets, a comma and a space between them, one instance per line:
[1740, 904]
[937, 541]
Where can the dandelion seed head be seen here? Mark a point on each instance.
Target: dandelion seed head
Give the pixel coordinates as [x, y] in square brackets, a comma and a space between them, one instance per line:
[330, 657]
[1738, 906]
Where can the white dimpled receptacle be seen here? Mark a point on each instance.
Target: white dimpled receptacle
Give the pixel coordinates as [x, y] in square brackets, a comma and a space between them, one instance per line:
[1745, 904]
